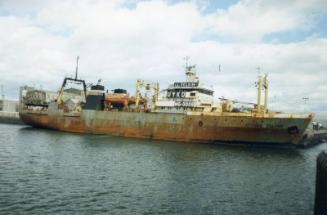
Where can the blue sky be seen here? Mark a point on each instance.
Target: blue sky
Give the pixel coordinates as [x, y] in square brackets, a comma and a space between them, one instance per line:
[120, 41]
[318, 30]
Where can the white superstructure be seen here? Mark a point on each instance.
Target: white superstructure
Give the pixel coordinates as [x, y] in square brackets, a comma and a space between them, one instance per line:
[189, 95]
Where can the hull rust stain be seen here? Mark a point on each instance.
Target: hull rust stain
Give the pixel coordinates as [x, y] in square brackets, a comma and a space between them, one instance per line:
[190, 127]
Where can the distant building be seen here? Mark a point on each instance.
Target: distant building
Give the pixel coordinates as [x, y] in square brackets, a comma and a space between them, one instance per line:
[9, 105]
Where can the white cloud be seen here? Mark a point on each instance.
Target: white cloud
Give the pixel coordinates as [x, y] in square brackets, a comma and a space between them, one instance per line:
[27, 51]
[39, 44]
[250, 20]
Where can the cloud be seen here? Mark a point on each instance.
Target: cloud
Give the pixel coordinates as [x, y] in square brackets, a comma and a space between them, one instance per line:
[28, 52]
[250, 20]
[120, 44]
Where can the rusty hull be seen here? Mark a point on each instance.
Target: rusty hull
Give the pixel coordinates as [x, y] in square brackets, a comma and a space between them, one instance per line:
[190, 127]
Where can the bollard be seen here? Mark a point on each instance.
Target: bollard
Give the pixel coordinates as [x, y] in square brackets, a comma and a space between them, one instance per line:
[321, 185]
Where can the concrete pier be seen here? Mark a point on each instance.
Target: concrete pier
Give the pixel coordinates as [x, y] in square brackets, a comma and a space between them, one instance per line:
[321, 185]
[10, 117]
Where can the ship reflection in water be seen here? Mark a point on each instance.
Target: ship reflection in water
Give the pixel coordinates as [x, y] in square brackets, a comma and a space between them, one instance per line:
[45, 172]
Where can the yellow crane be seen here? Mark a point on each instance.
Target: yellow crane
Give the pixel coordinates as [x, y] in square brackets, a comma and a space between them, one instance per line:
[262, 83]
[148, 86]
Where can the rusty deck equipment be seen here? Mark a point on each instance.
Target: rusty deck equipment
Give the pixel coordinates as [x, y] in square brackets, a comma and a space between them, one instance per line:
[185, 112]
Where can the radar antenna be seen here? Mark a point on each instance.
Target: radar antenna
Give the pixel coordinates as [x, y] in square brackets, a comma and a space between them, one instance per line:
[305, 99]
[99, 81]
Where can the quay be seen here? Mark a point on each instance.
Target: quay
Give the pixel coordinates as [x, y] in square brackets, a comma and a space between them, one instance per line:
[10, 117]
[9, 111]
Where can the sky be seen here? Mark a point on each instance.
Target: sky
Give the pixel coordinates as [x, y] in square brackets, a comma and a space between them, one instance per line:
[120, 41]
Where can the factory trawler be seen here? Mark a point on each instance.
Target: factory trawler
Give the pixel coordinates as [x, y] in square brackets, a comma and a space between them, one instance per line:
[185, 111]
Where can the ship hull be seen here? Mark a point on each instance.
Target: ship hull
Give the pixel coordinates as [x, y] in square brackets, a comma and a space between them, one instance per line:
[190, 127]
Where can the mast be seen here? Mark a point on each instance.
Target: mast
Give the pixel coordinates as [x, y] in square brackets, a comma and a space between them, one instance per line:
[259, 85]
[76, 71]
[190, 71]
[265, 86]
[262, 84]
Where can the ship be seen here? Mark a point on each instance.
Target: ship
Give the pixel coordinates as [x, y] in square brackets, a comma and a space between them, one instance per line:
[185, 111]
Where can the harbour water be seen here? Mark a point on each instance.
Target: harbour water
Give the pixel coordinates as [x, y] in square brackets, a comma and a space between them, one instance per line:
[51, 172]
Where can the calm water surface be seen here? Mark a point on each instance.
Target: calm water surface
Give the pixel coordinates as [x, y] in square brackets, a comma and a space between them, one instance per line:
[47, 172]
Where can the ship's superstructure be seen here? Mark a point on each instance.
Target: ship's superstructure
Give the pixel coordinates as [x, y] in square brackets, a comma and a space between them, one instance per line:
[186, 112]
[189, 95]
